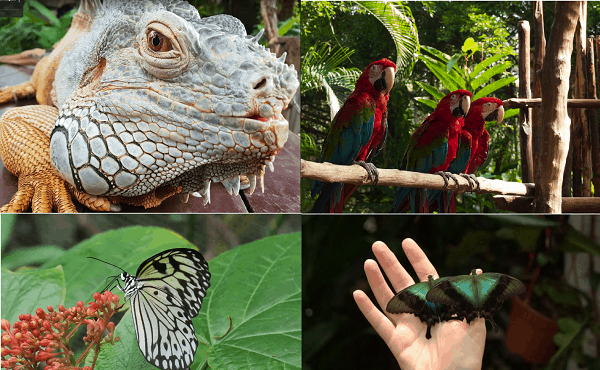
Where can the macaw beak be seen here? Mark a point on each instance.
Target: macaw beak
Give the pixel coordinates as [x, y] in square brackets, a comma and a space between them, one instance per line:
[385, 83]
[462, 108]
[496, 115]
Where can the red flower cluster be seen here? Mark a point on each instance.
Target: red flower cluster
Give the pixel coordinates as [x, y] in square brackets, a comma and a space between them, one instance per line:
[45, 336]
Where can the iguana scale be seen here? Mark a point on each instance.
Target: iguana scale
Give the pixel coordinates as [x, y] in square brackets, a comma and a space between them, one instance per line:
[142, 100]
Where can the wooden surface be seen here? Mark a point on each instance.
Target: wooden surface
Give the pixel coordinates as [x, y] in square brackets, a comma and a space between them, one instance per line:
[525, 93]
[569, 205]
[282, 187]
[537, 102]
[538, 62]
[357, 175]
[556, 122]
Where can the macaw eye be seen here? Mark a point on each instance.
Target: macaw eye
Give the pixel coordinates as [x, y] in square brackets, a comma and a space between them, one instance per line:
[158, 42]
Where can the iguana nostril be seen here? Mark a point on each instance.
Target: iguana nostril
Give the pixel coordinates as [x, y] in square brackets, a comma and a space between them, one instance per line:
[261, 84]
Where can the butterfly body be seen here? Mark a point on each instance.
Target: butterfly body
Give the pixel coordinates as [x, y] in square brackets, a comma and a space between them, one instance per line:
[473, 296]
[165, 295]
[413, 300]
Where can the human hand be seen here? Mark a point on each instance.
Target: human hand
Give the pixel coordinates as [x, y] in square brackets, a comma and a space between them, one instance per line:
[454, 344]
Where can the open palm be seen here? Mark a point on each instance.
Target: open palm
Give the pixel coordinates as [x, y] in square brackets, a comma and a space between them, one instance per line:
[453, 345]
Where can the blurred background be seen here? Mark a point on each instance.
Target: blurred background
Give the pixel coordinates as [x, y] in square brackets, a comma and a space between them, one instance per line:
[31, 240]
[557, 257]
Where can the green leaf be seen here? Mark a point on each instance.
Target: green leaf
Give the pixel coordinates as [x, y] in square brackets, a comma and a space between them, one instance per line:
[26, 290]
[428, 102]
[488, 74]
[259, 286]
[525, 221]
[452, 62]
[486, 62]
[433, 51]
[30, 256]
[125, 354]
[126, 248]
[6, 228]
[288, 25]
[431, 89]
[574, 241]
[439, 70]
[488, 89]
[573, 330]
[511, 113]
[45, 12]
[470, 44]
[398, 20]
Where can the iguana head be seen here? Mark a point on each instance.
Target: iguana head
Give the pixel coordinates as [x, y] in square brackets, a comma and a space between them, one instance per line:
[154, 95]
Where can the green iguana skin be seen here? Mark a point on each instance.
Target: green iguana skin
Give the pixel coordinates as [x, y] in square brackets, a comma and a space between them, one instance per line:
[154, 96]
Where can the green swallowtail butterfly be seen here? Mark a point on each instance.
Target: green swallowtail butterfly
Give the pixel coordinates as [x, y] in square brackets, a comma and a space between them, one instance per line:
[412, 300]
[473, 296]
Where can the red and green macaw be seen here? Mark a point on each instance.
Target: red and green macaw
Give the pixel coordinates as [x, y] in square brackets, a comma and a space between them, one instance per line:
[473, 148]
[432, 148]
[357, 134]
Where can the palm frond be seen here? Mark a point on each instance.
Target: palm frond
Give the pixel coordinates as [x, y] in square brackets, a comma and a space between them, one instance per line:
[398, 20]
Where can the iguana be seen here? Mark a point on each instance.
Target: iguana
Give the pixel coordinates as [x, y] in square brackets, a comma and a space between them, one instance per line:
[142, 100]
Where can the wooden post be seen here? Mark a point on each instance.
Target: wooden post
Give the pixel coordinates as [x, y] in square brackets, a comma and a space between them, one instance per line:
[538, 61]
[593, 117]
[525, 92]
[582, 161]
[555, 88]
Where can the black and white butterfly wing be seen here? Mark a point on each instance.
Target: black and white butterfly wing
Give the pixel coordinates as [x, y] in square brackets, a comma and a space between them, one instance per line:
[165, 333]
[182, 273]
[170, 288]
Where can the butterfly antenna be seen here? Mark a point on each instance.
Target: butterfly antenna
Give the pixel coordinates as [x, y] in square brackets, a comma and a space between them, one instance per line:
[94, 258]
[109, 284]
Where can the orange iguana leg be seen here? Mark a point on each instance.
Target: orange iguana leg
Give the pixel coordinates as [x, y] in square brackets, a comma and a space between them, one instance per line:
[25, 150]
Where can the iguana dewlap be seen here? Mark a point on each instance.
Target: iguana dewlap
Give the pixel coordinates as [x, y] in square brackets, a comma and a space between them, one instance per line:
[152, 100]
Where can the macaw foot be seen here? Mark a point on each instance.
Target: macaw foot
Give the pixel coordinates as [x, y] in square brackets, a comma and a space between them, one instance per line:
[446, 176]
[371, 171]
[472, 179]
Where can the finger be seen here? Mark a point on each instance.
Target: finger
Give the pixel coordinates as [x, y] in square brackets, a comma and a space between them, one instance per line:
[419, 260]
[397, 274]
[380, 288]
[382, 325]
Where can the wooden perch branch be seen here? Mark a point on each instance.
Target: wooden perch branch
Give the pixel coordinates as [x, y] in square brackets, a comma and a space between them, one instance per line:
[569, 205]
[537, 102]
[357, 175]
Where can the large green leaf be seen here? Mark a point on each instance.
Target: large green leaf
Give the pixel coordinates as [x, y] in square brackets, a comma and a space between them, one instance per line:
[126, 248]
[259, 287]
[439, 70]
[30, 256]
[431, 89]
[256, 285]
[399, 21]
[6, 228]
[489, 73]
[428, 102]
[484, 63]
[490, 88]
[25, 291]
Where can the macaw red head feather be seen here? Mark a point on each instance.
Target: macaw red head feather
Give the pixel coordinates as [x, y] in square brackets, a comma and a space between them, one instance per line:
[456, 102]
[481, 107]
[364, 85]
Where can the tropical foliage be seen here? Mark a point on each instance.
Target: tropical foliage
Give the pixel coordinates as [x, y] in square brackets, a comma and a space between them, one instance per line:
[469, 45]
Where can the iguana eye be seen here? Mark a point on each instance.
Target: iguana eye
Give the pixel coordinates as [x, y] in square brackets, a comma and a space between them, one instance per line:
[158, 42]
